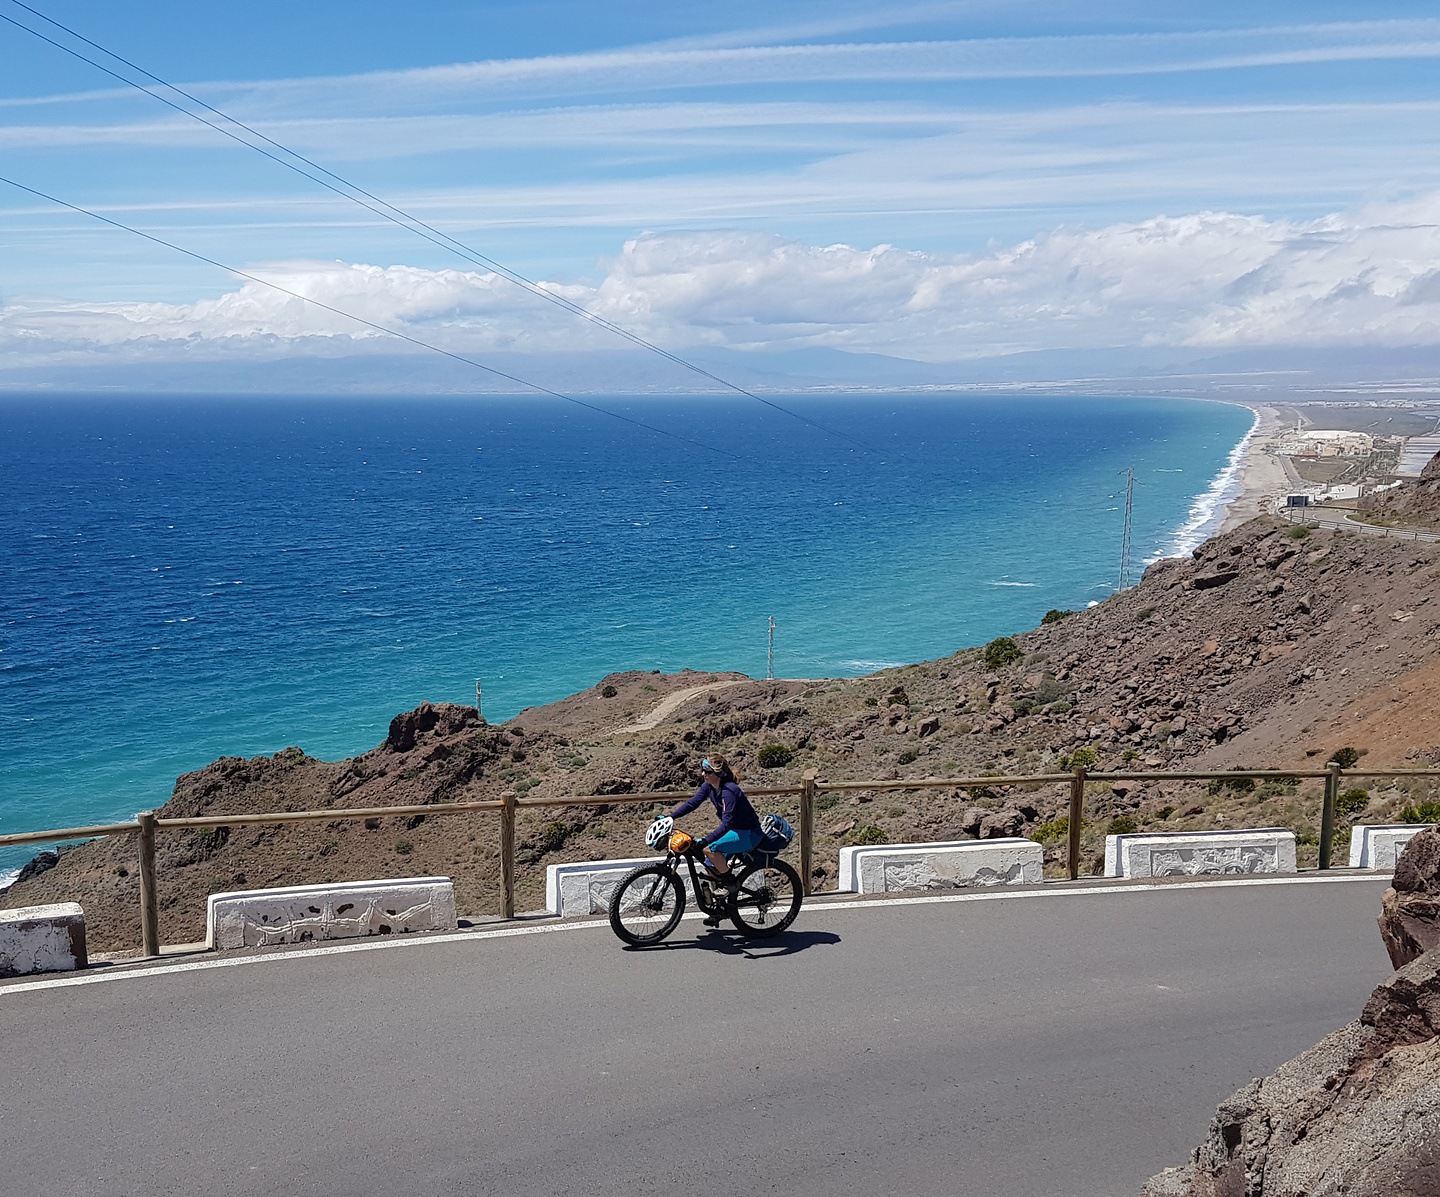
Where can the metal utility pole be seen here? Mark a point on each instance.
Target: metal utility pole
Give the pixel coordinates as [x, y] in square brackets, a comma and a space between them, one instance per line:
[770, 656]
[1125, 537]
[478, 711]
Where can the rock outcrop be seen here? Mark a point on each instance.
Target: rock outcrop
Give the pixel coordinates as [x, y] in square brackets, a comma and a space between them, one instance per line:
[1410, 909]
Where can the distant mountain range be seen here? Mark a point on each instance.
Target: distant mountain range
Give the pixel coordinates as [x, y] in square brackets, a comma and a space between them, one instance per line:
[1294, 371]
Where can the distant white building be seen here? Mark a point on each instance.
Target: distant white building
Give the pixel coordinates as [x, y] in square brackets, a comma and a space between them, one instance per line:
[1323, 442]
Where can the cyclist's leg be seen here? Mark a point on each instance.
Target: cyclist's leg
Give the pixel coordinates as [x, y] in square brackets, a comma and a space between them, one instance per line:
[732, 843]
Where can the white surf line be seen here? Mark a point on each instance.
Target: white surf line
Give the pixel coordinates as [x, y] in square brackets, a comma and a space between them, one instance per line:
[342, 949]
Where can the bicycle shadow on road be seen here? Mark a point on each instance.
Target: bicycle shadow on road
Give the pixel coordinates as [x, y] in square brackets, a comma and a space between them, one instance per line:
[732, 943]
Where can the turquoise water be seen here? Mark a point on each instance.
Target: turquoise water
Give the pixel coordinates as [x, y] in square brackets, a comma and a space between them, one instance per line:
[185, 579]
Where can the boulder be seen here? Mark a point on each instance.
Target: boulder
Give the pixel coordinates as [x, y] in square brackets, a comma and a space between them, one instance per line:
[1410, 908]
[1209, 581]
[1003, 824]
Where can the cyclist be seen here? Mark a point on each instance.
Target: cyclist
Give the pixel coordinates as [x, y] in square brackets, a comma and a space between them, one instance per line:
[739, 829]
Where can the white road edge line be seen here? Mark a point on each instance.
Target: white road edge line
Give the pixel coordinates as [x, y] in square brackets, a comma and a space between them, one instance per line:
[377, 945]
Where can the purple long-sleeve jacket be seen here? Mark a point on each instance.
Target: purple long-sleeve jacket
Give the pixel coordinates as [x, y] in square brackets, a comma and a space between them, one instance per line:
[734, 809]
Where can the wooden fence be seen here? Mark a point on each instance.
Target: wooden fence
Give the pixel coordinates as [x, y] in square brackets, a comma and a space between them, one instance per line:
[146, 824]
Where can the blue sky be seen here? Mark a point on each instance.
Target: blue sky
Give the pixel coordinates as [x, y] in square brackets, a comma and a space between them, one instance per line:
[938, 181]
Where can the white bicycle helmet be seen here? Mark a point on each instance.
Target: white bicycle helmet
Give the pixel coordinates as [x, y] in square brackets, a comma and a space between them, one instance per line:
[659, 831]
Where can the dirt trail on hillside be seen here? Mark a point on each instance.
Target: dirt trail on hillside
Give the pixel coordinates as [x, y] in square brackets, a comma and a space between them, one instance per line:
[669, 705]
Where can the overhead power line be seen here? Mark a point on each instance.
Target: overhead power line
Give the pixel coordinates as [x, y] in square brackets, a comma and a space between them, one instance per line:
[392, 332]
[342, 187]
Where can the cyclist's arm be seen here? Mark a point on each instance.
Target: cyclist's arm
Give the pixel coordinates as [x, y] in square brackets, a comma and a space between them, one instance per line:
[692, 802]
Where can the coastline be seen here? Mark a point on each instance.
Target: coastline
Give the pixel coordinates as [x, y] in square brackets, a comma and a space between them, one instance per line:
[1259, 476]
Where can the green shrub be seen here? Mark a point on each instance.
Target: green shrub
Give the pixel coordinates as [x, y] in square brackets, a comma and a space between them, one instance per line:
[648, 686]
[1165, 812]
[895, 812]
[1084, 758]
[553, 837]
[1002, 651]
[1056, 829]
[609, 692]
[1059, 708]
[1352, 800]
[1426, 812]
[1129, 755]
[1121, 825]
[1237, 785]
[1023, 706]
[1055, 615]
[1299, 532]
[1347, 758]
[897, 698]
[1049, 690]
[908, 756]
[404, 847]
[775, 756]
[826, 801]
[868, 834]
[872, 701]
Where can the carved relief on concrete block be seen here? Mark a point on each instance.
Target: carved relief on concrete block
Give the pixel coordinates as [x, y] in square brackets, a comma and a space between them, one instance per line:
[894, 868]
[1193, 862]
[346, 910]
[1200, 853]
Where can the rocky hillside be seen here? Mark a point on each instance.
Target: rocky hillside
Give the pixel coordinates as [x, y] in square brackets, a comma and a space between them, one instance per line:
[1411, 504]
[1267, 648]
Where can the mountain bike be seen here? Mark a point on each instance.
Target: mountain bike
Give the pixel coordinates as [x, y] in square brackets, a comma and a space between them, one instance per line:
[649, 901]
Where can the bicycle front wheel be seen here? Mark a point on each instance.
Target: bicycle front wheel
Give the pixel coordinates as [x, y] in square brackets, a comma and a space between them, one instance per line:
[767, 899]
[647, 905]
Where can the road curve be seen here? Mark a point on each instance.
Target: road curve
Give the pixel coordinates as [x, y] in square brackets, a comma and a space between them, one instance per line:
[1066, 1045]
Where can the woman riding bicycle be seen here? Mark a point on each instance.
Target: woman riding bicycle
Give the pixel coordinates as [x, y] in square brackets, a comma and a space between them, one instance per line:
[739, 829]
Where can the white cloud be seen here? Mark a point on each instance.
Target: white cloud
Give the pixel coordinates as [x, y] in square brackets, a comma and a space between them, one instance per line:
[1207, 281]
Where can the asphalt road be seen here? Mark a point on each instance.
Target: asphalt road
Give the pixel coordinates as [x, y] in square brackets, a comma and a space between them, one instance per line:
[1063, 1045]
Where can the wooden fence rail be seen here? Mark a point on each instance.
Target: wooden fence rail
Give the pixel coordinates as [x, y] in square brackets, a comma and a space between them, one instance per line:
[146, 824]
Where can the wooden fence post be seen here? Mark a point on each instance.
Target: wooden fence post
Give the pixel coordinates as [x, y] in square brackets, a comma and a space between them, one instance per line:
[807, 827]
[149, 903]
[1327, 813]
[1077, 811]
[507, 855]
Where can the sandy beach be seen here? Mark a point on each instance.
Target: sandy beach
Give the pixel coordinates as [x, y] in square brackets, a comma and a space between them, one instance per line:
[1261, 475]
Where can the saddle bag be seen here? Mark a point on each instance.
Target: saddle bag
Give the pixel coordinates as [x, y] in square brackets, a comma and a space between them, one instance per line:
[775, 836]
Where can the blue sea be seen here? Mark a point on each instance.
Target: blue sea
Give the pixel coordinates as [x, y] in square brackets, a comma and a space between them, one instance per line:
[185, 578]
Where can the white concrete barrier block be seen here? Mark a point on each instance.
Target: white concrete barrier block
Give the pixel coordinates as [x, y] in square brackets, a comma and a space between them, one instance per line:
[42, 939]
[342, 910]
[1378, 845]
[1196, 853]
[892, 868]
[585, 886]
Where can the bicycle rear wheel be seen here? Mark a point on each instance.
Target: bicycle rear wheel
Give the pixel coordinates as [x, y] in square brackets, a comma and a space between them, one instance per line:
[646, 905]
[767, 899]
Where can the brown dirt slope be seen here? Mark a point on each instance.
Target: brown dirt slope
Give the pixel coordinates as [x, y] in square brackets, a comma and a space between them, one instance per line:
[1261, 650]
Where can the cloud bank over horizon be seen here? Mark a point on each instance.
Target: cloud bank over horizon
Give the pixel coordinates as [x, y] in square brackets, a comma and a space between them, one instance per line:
[1209, 281]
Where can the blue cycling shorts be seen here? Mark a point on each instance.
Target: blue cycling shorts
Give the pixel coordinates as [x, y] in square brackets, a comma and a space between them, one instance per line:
[733, 843]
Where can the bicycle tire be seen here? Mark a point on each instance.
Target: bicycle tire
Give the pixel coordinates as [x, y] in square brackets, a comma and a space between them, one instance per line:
[643, 915]
[766, 900]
